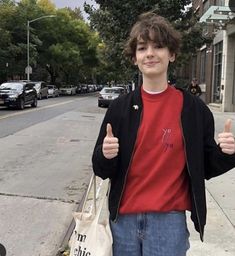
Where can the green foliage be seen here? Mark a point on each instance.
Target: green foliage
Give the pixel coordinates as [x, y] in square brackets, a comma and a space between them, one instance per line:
[70, 48]
[114, 19]
[67, 49]
[62, 46]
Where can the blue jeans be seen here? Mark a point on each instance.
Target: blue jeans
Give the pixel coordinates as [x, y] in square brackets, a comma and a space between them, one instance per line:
[150, 234]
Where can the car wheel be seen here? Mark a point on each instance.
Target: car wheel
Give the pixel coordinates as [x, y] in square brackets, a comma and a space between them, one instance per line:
[21, 104]
[35, 103]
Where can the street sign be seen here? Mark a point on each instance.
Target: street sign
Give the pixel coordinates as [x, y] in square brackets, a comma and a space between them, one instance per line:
[28, 70]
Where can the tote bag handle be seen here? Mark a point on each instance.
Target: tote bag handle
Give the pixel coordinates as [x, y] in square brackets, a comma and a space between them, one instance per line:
[92, 182]
[103, 198]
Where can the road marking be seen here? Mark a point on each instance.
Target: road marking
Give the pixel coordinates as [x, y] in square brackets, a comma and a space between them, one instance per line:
[35, 109]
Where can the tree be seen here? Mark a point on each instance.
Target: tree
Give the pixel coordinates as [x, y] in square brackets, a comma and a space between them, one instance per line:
[114, 19]
[63, 47]
[69, 47]
[7, 51]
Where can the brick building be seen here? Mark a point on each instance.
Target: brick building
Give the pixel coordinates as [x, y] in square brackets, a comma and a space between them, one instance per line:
[214, 63]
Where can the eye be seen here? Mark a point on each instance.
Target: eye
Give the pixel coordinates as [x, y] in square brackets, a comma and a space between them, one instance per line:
[158, 46]
[141, 48]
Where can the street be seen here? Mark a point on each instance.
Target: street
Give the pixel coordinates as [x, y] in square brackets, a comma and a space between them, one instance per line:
[45, 167]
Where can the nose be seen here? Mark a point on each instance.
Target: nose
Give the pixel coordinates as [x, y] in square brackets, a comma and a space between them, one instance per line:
[150, 51]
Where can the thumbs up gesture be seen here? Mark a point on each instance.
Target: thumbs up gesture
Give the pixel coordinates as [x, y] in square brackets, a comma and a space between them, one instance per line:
[226, 139]
[110, 144]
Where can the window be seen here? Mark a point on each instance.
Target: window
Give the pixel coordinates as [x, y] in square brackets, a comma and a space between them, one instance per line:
[194, 66]
[218, 56]
[219, 2]
[206, 6]
[29, 86]
[203, 66]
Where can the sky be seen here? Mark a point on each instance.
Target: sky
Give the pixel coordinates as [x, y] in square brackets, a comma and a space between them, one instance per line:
[73, 3]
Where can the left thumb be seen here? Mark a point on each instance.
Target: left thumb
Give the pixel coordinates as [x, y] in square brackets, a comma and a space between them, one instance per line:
[228, 125]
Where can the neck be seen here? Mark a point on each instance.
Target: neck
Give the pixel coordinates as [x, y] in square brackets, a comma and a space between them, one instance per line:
[155, 85]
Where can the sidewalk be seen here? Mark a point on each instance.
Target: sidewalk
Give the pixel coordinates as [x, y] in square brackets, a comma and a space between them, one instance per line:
[219, 237]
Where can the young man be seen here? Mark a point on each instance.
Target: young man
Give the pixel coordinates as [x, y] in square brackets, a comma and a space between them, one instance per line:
[156, 144]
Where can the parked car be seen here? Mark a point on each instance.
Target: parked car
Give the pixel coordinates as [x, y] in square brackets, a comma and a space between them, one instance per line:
[84, 88]
[99, 87]
[127, 87]
[18, 94]
[92, 88]
[41, 88]
[68, 90]
[53, 91]
[79, 89]
[108, 94]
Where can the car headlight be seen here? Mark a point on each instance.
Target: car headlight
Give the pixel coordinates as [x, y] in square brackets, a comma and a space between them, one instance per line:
[13, 96]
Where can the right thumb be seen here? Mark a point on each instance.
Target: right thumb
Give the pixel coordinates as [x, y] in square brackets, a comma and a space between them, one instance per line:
[109, 130]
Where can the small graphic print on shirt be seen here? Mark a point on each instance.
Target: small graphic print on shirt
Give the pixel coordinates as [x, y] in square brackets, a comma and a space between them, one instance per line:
[166, 139]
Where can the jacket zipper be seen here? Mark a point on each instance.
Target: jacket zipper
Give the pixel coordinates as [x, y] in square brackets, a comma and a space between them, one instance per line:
[124, 184]
[199, 224]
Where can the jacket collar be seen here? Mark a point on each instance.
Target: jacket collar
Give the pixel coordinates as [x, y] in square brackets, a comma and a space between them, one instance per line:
[137, 99]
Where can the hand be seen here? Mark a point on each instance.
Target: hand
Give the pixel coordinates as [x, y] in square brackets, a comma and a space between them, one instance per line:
[110, 144]
[226, 139]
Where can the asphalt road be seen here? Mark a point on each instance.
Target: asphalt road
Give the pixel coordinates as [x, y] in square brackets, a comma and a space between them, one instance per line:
[45, 165]
[16, 120]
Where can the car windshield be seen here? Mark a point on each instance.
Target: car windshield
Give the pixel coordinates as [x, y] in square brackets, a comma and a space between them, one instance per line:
[37, 85]
[50, 87]
[118, 90]
[113, 90]
[67, 86]
[11, 86]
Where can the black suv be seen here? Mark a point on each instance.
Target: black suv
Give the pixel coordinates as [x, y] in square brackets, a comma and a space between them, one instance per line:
[18, 94]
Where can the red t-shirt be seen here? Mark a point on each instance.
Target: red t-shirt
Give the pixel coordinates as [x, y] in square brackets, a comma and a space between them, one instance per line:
[156, 178]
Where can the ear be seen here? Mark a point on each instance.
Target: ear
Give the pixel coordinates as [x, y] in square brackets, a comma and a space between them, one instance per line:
[134, 61]
[172, 57]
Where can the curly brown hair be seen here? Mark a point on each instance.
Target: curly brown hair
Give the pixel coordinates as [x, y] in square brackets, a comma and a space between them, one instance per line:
[152, 27]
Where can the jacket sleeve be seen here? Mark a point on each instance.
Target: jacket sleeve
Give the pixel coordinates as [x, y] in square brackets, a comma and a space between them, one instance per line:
[216, 162]
[103, 167]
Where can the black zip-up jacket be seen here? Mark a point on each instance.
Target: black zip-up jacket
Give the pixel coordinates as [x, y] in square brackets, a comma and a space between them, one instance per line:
[204, 159]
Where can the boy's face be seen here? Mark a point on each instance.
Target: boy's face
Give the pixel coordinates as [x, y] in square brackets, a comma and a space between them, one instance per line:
[152, 60]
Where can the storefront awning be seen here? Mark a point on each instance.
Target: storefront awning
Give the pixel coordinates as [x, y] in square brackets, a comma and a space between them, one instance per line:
[219, 15]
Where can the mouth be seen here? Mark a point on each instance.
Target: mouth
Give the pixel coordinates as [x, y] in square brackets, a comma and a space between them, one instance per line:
[151, 63]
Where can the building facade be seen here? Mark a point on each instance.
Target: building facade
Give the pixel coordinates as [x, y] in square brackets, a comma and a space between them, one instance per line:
[214, 63]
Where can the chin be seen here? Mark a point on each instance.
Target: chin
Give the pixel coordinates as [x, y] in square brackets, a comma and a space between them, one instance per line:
[152, 73]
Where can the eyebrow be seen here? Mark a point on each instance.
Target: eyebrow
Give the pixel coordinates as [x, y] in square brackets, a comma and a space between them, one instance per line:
[141, 42]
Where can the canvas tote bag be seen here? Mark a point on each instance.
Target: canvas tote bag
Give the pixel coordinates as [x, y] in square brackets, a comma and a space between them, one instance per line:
[92, 237]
